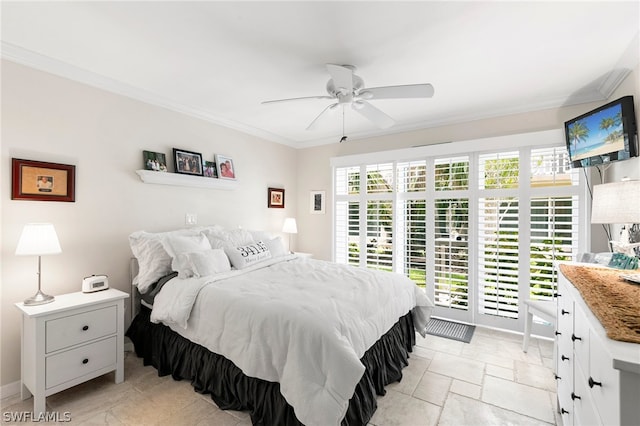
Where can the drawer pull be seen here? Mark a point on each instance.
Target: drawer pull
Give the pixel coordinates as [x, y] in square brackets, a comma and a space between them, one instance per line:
[574, 337]
[85, 328]
[593, 383]
[558, 333]
[563, 312]
[85, 361]
[565, 358]
[563, 411]
[574, 396]
[557, 377]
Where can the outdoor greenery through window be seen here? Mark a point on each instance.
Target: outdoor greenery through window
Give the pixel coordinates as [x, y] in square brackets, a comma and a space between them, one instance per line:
[481, 231]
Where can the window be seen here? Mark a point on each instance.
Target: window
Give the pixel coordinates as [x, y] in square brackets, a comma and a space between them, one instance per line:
[481, 230]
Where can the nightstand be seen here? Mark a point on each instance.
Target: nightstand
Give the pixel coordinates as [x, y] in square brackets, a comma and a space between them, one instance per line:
[73, 339]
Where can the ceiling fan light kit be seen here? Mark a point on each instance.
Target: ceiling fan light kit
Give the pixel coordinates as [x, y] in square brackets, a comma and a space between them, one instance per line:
[347, 88]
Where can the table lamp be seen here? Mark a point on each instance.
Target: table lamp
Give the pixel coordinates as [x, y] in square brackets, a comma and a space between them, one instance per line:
[38, 239]
[618, 203]
[290, 227]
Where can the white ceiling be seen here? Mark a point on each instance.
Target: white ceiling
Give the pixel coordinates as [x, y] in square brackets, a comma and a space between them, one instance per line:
[219, 60]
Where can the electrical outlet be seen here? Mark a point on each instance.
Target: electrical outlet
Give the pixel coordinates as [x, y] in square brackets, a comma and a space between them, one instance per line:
[191, 219]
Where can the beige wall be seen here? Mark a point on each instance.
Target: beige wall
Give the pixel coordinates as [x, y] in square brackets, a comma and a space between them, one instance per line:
[48, 118]
[315, 172]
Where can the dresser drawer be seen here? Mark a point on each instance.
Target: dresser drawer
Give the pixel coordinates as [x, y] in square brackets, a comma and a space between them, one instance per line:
[606, 394]
[79, 328]
[78, 362]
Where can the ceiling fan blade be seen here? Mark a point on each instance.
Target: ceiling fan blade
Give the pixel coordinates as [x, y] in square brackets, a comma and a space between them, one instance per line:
[398, 92]
[372, 113]
[342, 77]
[314, 123]
[296, 99]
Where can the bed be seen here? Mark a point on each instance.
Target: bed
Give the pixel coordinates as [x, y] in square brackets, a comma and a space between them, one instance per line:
[291, 340]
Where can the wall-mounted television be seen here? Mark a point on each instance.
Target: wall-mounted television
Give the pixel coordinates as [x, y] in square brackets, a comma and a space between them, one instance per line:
[603, 135]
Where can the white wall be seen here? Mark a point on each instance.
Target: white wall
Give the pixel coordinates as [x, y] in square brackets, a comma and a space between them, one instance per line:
[48, 118]
[315, 174]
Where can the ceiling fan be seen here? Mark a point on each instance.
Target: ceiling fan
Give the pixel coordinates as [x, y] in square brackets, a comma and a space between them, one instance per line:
[345, 88]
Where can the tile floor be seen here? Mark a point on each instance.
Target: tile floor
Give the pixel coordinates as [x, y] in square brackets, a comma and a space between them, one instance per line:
[489, 381]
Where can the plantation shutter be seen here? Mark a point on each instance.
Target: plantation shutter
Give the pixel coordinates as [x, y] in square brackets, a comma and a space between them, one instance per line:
[347, 215]
[451, 239]
[410, 220]
[498, 234]
[554, 219]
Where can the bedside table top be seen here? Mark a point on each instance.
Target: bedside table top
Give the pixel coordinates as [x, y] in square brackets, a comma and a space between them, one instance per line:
[68, 301]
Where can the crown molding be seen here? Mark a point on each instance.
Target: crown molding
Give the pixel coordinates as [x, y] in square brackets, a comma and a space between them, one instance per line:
[602, 91]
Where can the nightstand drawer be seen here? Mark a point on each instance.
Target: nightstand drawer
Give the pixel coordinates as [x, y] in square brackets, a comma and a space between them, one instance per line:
[83, 327]
[81, 361]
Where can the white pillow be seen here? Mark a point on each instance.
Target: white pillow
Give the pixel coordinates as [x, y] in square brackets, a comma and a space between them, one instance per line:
[209, 262]
[153, 260]
[276, 247]
[247, 255]
[178, 244]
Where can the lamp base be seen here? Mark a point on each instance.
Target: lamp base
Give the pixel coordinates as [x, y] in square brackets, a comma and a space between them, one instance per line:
[39, 299]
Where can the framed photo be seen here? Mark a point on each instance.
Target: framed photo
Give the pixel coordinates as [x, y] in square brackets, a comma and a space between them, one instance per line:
[155, 161]
[316, 200]
[187, 162]
[226, 170]
[275, 198]
[210, 169]
[40, 181]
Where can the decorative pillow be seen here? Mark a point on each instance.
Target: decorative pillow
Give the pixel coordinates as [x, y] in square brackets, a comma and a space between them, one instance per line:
[276, 247]
[247, 255]
[209, 262]
[153, 260]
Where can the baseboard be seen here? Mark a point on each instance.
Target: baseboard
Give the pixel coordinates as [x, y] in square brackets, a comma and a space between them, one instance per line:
[10, 389]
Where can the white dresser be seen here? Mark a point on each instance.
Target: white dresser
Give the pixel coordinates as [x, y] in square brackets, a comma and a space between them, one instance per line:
[598, 379]
[75, 338]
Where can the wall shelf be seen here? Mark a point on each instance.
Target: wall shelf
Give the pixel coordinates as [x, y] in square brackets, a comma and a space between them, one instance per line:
[166, 178]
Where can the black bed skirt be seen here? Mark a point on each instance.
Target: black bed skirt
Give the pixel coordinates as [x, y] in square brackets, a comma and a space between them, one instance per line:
[230, 389]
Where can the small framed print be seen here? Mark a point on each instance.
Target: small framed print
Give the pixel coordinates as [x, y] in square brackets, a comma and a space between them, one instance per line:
[275, 198]
[210, 169]
[40, 181]
[317, 200]
[155, 161]
[187, 162]
[226, 170]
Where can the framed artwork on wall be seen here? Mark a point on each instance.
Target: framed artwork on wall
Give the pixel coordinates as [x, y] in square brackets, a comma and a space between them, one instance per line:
[187, 162]
[155, 161]
[275, 198]
[210, 169]
[226, 170]
[41, 181]
[316, 202]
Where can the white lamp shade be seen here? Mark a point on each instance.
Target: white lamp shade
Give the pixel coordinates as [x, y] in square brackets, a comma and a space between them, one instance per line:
[38, 239]
[616, 203]
[290, 226]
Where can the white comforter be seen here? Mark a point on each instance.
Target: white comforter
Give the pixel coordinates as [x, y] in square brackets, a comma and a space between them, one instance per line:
[301, 322]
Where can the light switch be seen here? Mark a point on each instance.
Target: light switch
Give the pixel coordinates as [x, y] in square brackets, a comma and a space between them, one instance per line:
[191, 219]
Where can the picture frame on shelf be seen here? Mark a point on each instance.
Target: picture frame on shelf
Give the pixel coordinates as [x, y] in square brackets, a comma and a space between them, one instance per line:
[317, 202]
[225, 167]
[187, 162]
[275, 198]
[42, 181]
[210, 169]
[156, 161]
